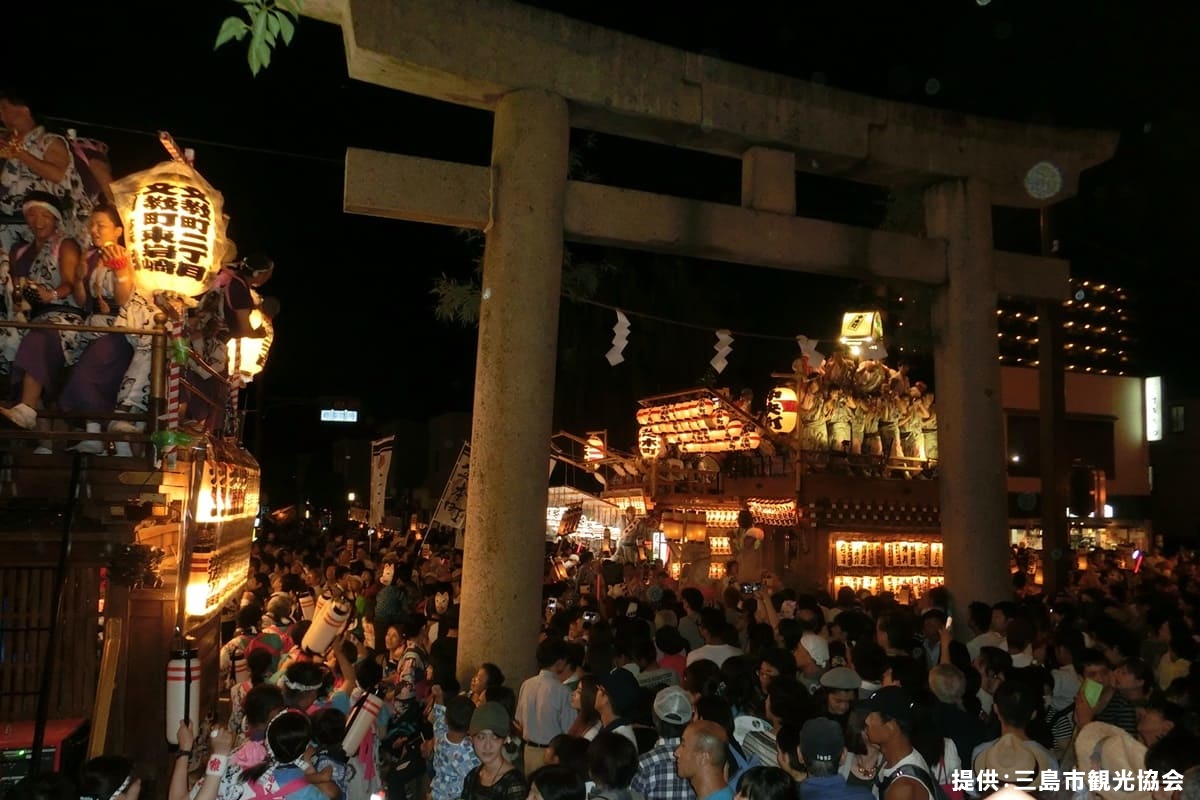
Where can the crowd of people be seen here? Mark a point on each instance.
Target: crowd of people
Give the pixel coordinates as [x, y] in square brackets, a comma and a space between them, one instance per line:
[864, 407]
[653, 691]
[63, 262]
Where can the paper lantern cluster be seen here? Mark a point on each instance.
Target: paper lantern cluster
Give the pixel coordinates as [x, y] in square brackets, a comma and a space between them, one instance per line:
[695, 426]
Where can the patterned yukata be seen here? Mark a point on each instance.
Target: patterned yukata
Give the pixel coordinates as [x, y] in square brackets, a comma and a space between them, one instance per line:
[43, 353]
[10, 310]
[929, 435]
[839, 423]
[815, 435]
[18, 180]
[102, 360]
[451, 762]
[340, 771]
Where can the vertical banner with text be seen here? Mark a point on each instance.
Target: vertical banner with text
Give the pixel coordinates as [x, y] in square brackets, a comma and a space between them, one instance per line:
[381, 465]
[451, 509]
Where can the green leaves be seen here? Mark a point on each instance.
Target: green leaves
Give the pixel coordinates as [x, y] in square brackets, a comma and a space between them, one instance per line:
[267, 21]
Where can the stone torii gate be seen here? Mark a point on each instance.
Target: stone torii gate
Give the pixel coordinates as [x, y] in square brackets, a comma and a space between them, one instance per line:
[541, 74]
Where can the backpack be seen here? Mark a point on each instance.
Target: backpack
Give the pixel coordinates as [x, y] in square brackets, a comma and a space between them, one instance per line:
[913, 771]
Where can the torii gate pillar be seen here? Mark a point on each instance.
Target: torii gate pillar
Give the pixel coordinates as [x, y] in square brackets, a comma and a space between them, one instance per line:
[970, 415]
[514, 385]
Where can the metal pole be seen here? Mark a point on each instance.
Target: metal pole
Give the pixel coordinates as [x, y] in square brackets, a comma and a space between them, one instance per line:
[64, 556]
[158, 372]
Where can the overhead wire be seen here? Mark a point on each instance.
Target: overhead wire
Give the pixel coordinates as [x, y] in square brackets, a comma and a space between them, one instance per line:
[197, 141]
[774, 337]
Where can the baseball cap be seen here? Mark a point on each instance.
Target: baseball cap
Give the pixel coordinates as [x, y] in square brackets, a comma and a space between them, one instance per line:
[673, 705]
[622, 689]
[892, 702]
[842, 678]
[821, 739]
[490, 717]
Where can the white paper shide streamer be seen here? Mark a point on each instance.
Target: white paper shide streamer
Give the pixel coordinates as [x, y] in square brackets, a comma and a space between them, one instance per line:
[620, 339]
[724, 347]
[808, 348]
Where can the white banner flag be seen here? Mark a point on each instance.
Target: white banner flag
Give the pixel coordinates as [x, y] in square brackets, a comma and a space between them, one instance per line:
[451, 509]
[381, 465]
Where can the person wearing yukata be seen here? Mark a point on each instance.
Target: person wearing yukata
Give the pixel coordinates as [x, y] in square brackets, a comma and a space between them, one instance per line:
[104, 360]
[47, 276]
[35, 160]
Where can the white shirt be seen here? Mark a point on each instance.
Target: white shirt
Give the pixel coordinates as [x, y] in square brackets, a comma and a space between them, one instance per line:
[989, 639]
[717, 653]
[1023, 659]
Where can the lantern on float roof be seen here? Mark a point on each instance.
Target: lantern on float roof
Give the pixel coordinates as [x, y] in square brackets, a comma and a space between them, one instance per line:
[594, 449]
[174, 229]
[649, 444]
[672, 526]
[861, 329]
[783, 409]
[248, 354]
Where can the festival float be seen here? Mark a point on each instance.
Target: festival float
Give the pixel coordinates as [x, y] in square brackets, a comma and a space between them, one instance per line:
[114, 569]
[715, 479]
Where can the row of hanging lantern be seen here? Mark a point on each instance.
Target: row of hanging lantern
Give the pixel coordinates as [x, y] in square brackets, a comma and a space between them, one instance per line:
[691, 410]
[734, 436]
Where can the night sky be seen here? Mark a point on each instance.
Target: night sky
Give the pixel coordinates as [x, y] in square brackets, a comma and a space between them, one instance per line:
[356, 315]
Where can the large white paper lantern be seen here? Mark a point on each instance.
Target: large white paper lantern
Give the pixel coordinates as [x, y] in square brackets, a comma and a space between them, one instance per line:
[174, 228]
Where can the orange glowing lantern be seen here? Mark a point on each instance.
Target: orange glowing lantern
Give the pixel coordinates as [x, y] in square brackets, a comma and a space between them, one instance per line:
[650, 444]
[783, 409]
[695, 526]
[248, 354]
[174, 229]
[594, 449]
[672, 526]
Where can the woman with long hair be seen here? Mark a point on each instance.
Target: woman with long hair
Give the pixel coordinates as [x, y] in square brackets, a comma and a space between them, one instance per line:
[583, 700]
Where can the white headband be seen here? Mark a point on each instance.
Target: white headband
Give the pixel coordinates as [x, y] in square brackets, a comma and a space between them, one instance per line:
[42, 204]
[122, 787]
